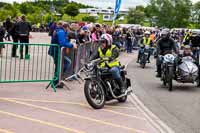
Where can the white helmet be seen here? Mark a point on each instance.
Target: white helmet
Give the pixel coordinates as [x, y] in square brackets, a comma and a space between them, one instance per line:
[108, 39]
[147, 33]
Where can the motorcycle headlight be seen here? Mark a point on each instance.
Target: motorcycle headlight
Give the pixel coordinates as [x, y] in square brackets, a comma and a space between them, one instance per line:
[89, 66]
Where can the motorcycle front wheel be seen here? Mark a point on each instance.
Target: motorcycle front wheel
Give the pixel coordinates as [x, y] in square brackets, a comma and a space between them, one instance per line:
[94, 94]
[170, 78]
[143, 61]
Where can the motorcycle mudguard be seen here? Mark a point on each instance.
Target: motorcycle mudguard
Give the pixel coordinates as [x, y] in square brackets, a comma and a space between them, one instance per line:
[128, 82]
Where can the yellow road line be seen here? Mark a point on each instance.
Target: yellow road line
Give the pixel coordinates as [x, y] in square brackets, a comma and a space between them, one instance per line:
[80, 104]
[74, 115]
[72, 103]
[39, 121]
[4, 131]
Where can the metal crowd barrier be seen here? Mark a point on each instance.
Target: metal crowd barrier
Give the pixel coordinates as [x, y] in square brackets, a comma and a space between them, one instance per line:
[79, 57]
[38, 66]
[41, 66]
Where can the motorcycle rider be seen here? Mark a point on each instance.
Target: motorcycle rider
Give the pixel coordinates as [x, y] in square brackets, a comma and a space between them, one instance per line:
[194, 40]
[164, 45]
[186, 52]
[109, 53]
[144, 42]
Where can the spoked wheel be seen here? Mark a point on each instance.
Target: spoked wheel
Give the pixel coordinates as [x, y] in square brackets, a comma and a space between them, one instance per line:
[143, 61]
[163, 79]
[94, 94]
[170, 78]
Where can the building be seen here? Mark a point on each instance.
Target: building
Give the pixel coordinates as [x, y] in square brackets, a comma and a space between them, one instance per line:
[103, 11]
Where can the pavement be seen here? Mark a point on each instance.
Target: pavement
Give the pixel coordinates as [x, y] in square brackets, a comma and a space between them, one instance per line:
[29, 108]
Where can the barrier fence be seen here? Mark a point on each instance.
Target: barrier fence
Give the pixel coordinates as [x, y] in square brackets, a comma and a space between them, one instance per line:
[79, 57]
[36, 66]
[44, 62]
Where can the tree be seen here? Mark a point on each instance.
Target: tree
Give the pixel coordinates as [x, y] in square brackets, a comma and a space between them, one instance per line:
[89, 19]
[135, 16]
[196, 14]
[170, 13]
[71, 10]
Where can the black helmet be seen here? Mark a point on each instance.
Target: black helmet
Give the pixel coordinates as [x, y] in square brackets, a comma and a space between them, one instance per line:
[164, 33]
[195, 32]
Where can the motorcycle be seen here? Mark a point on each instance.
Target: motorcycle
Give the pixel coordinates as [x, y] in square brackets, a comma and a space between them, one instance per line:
[144, 52]
[186, 72]
[101, 87]
[167, 67]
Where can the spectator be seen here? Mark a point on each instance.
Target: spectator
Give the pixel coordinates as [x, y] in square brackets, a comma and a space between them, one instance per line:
[23, 29]
[98, 31]
[94, 35]
[60, 38]
[15, 36]
[83, 35]
[116, 38]
[8, 26]
[2, 33]
[129, 38]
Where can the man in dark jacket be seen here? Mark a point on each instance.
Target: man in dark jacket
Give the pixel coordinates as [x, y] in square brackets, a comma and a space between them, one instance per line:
[164, 46]
[23, 29]
[15, 37]
[8, 26]
[2, 33]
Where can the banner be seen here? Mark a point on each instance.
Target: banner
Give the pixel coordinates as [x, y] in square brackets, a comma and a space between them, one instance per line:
[117, 7]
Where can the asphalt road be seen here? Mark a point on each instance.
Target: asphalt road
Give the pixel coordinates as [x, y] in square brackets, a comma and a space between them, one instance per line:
[179, 109]
[29, 108]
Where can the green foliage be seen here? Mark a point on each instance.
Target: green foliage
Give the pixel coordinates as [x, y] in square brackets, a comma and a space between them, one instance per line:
[136, 15]
[71, 9]
[38, 11]
[170, 13]
[89, 19]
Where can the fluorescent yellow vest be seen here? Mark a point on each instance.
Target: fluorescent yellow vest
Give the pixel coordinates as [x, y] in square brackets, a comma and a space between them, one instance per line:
[146, 41]
[107, 55]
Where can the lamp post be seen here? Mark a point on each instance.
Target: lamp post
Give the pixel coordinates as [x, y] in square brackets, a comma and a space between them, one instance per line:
[52, 10]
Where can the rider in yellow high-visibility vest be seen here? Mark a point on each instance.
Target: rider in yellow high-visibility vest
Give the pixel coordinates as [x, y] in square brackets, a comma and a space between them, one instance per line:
[186, 39]
[145, 41]
[109, 53]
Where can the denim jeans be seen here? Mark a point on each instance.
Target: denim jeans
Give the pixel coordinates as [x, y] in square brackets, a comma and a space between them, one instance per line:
[129, 47]
[115, 72]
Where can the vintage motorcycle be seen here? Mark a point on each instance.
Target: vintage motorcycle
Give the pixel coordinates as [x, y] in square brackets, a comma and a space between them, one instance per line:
[144, 52]
[185, 72]
[101, 87]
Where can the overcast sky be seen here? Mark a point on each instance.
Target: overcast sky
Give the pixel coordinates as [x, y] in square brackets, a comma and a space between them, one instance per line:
[104, 3]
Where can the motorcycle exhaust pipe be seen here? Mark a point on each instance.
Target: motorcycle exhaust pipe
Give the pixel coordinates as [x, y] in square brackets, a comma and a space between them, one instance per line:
[128, 92]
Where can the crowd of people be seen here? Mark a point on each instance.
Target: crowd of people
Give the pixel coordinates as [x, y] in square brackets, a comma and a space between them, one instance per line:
[19, 29]
[73, 34]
